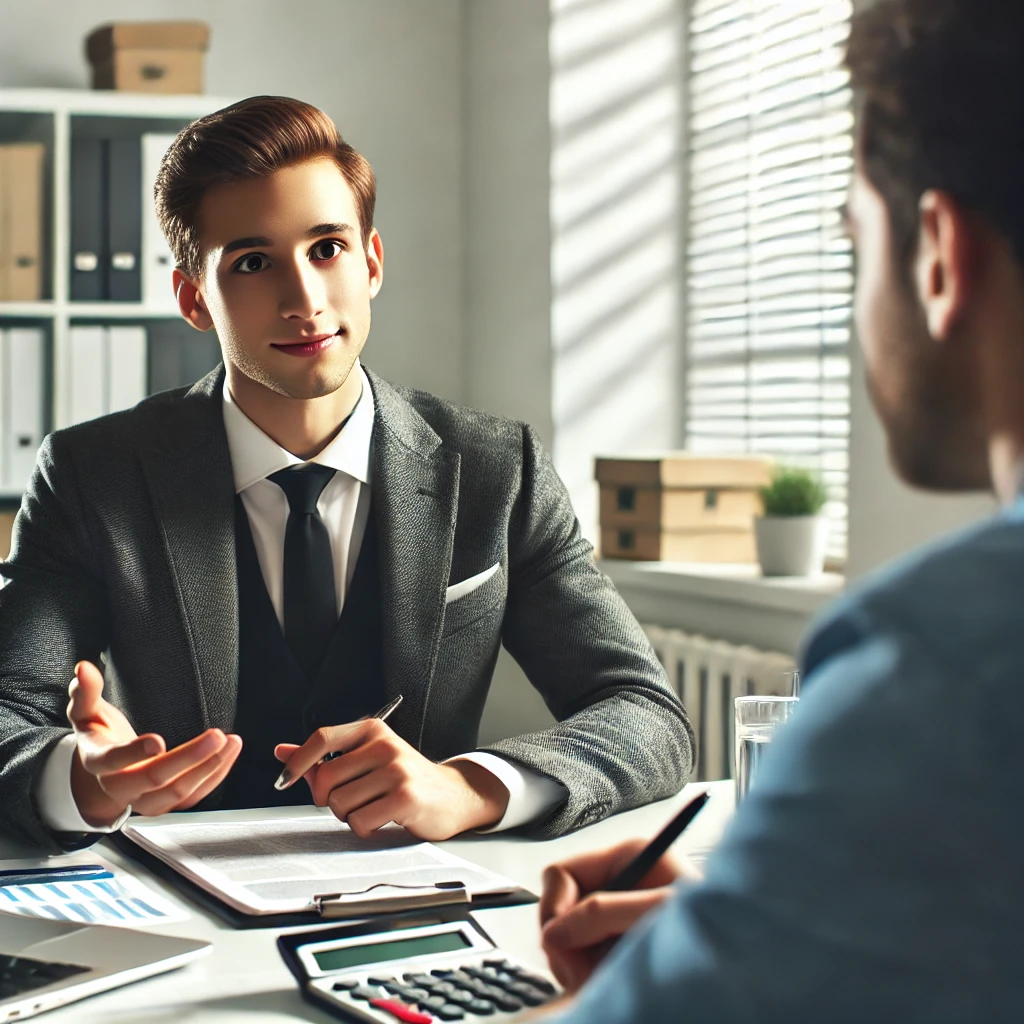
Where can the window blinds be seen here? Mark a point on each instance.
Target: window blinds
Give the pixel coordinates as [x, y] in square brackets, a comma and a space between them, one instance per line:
[769, 274]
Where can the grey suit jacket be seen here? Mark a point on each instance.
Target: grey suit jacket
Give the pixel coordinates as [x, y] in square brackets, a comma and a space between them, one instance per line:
[124, 547]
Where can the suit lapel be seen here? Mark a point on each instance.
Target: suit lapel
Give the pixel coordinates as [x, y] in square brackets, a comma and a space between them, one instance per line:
[415, 490]
[191, 486]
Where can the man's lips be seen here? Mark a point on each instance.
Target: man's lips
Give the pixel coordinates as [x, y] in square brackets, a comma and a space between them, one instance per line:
[309, 345]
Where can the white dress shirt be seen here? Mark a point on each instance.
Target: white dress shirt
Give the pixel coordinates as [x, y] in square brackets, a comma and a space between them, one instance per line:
[344, 506]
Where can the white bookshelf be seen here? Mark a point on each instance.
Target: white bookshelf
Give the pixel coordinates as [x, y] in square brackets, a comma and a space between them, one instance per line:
[46, 115]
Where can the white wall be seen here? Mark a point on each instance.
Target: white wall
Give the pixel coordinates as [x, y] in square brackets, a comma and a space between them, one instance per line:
[390, 74]
[507, 251]
[616, 268]
[507, 238]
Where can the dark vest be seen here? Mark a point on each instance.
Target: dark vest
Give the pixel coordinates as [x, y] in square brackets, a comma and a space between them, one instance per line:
[276, 702]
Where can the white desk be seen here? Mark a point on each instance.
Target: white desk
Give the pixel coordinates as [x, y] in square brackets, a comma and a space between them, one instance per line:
[245, 978]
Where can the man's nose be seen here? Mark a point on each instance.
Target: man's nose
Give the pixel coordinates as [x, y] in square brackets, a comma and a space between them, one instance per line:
[303, 295]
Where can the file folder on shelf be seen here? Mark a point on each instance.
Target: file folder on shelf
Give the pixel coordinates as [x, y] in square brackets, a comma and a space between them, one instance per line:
[83, 384]
[23, 403]
[5, 255]
[124, 220]
[157, 259]
[21, 221]
[125, 366]
[101, 370]
[88, 218]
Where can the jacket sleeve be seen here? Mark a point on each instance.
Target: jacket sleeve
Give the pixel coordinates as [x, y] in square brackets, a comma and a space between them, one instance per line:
[872, 873]
[622, 737]
[53, 613]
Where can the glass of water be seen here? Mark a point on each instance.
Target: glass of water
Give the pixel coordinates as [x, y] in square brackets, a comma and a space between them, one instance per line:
[757, 718]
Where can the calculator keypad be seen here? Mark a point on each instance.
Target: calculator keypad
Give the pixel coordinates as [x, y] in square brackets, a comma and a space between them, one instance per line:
[477, 990]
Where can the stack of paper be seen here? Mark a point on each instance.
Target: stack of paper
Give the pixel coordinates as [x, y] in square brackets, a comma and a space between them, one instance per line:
[287, 865]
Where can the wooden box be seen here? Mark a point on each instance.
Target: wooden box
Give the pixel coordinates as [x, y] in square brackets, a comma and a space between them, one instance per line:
[680, 507]
[149, 56]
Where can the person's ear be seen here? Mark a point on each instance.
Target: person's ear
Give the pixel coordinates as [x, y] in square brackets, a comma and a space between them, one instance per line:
[944, 269]
[375, 262]
[191, 303]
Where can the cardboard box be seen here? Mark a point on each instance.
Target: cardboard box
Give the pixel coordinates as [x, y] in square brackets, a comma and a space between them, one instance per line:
[154, 56]
[7, 517]
[684, 469]
[679, 545]
[680, 507]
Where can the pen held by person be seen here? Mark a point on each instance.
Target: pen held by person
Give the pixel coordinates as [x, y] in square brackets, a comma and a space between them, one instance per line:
[285, 779]
[590, 900]
[630, 876]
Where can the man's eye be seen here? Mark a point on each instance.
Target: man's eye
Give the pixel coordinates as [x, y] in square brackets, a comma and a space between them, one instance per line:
[326, 250]
[251, 264]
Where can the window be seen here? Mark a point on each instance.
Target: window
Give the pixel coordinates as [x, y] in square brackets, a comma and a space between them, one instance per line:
[769, 274]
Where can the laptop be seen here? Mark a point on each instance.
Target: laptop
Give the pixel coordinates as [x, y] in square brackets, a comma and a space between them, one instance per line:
[45, 964]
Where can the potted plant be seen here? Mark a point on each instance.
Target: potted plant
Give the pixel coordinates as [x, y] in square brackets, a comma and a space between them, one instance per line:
[792, 534]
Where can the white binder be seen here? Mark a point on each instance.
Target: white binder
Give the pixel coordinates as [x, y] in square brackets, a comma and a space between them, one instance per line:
[86, 375]
[126, 366]
[23, 403]
[157, 260]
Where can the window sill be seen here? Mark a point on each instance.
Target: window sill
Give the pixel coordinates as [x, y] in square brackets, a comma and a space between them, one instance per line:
[731, 602]
[741, 584]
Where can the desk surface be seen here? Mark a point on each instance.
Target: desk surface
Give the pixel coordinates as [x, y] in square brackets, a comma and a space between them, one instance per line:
[244, 977]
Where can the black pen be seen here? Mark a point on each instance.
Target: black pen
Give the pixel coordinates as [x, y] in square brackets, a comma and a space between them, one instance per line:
[629, 877]
[43, 875]
[284, 781]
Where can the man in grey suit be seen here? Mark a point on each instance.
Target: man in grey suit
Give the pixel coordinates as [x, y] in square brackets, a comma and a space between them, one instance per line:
[236, 576]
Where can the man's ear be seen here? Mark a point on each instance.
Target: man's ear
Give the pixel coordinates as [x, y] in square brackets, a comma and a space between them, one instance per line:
[945, 268]
[190, 301]
[375, 262]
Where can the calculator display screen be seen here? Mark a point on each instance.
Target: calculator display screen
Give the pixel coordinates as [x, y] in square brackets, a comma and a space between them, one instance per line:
[342, 957]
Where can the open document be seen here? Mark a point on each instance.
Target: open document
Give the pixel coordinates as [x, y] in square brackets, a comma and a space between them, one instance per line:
[303, 862]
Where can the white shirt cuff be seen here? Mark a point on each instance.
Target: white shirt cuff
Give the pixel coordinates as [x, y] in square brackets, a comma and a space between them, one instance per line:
[530, 794]
[54, 798]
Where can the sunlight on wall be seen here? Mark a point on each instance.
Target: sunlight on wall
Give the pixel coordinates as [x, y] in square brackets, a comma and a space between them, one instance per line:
[616, 178]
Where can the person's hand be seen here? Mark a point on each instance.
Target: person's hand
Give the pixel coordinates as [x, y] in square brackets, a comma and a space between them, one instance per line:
[114, 768]
[580, 924]
[380, 778]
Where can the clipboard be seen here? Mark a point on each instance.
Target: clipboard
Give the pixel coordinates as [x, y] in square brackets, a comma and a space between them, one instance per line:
[448, 910]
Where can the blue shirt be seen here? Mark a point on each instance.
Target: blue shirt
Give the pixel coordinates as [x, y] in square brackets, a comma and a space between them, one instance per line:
[876, 871]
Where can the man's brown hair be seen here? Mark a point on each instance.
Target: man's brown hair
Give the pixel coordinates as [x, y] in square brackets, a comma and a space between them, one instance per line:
[939, 86]
[249, 139]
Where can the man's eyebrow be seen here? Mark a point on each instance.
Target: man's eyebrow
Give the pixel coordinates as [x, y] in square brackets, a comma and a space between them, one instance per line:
[261, 241]
[254, 242]
[328, 229]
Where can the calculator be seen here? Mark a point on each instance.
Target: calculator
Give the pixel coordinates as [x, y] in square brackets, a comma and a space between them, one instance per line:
[444, 971]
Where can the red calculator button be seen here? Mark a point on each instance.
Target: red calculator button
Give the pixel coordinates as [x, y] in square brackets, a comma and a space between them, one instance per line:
[401, 1011]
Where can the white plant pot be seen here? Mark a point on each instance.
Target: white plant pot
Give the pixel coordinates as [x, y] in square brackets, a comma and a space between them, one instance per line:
[791, 545]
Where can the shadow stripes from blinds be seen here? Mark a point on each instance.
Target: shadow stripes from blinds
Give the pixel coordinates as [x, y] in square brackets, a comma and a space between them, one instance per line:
[769, 271]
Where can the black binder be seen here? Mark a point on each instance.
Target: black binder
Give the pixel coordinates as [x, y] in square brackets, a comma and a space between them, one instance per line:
[124, 220]
[88, 219]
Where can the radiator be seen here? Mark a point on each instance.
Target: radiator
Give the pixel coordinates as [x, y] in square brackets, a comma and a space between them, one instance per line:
[707, 674]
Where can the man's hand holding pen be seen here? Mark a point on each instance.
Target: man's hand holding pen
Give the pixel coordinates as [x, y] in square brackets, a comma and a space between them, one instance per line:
[374, 777]
[363, 771]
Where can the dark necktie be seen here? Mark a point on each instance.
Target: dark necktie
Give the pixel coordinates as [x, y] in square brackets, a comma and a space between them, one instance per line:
[310, 601]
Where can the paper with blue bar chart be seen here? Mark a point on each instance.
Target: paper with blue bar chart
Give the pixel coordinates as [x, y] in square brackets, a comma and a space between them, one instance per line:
[93, 893]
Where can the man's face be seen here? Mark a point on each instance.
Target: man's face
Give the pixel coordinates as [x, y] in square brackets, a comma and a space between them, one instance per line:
[922, 388]
[286, 279]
